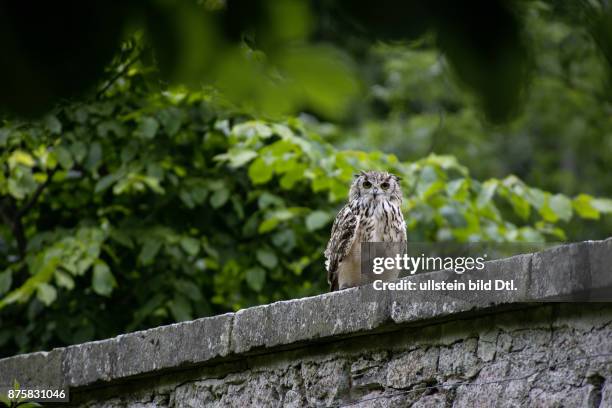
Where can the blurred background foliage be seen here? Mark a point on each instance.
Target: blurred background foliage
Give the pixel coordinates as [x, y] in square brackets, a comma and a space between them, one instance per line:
[163, 161]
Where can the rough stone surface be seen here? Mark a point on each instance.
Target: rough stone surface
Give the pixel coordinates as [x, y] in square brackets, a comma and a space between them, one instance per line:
[35, 368]
[532, 358]
[174, 346]
[367, 348]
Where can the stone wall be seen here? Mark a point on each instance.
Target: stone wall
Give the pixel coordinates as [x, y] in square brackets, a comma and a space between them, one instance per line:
[366, 348]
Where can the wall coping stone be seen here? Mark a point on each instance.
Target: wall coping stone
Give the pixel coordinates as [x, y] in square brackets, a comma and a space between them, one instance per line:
[566, 272]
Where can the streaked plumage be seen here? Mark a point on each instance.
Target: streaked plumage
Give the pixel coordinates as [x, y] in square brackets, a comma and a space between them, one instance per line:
[373, 214]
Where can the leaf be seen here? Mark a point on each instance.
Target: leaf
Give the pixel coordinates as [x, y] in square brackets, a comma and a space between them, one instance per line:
[121, 237]
[255, 278]
[79, 151]
[180, 309]
[583, 204]
[267, 258]
[219, 197]
[46, 293]
[547, 213]
[562, 206]
[147, 128]
[185, 197]
[20, 157]
[429, 190]
[64, 280]
[238, 207]
[317, 220]
[147, 309]
[285, 240]
[237, 157]
[42, 268]
[486, 193]
[267, 199]
[275, 217]
[520, 205]
[189, 289]
[104, 128]
[603, 205]
[259, 172]
[94, 156]
[429, 183]
[53, 124]
[536, 197]
[453, 216]
[293, 176]
[198, 193]
[171, 119]
[153, 184]
[551, 229]
[22, 186]
[252, 128]
[268, 225]
[320, 184]
[453, 188]
[190, 245]
[6, 280]
[149, 250]
[106, 181]
[102, 280]
[64, 158]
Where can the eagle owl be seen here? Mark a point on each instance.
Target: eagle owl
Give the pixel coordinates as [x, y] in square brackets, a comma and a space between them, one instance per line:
[373, 214]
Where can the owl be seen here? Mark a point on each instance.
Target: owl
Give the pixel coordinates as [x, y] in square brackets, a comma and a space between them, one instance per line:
[372, 214]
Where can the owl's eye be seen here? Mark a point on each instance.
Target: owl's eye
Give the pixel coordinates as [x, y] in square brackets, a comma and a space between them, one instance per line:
[385, 186]
[366, 184]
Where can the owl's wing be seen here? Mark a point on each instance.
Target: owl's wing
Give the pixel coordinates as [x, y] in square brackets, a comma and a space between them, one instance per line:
[343, 234]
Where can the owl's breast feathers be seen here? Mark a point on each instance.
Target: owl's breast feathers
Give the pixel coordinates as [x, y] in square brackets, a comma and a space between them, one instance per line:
[380, 221]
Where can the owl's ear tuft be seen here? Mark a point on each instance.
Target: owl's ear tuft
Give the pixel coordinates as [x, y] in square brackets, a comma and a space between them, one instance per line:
[361, 173]
[396, 178]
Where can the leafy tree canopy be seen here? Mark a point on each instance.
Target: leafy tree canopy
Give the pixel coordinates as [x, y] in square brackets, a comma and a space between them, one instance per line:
[159, 197]
[60, 49]
[146, 207]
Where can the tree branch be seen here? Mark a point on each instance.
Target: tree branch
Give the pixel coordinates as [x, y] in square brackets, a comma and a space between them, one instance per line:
[13, 216]
[28, 206]
[118, 75]
[9, 214]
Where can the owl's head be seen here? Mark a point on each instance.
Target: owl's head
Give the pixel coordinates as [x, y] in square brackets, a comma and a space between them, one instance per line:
[376, 185]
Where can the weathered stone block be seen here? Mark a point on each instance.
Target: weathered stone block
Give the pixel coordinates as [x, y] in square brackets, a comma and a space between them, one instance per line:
[145, 352]
[560, 273]
[33, 370]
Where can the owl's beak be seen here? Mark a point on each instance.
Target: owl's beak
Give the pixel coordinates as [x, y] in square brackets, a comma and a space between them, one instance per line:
[375, 192]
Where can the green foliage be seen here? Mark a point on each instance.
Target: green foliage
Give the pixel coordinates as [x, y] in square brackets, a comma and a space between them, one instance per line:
[559, 142]
[275, 56]
[149, 204]
[263, 60]
[147, 208]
